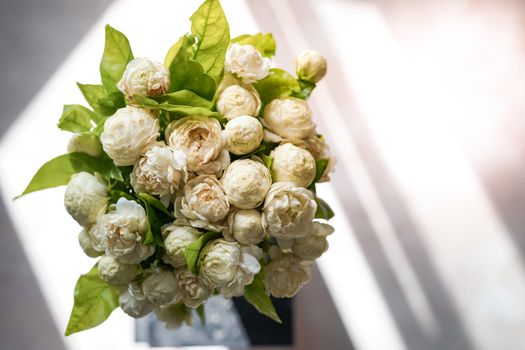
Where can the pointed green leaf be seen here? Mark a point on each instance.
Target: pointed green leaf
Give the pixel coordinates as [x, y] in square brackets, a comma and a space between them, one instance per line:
[76, 118]
[186, 98]
[202, 314]
[178, 110]
[95, 96]
[172, 52]
[306, 89]
[255, 294]
[320, 168]
[58, 171]
[187, 74]
[117, 54]
[94, 302]
[194, 249]
[278, 84]
[211, 28]
[155, 203]
[264, 43]
[323, 210]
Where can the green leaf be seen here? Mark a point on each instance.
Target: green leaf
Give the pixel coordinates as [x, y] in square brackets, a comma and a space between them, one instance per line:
[178, 110]
[202, 314]
[306, 88]
[255, 294]
[187, 74]
[58, 171]
[267, 160]
[117, 54]
[76, 118]
[172, 52]
[320, 168]
[194, 249]
[264, 43]
[95, 96]
[210, 27]
[153, 235]
[94, 302]
[186, 98]
[276, 85]
[115, 195]
[323, 210]
[155, 203]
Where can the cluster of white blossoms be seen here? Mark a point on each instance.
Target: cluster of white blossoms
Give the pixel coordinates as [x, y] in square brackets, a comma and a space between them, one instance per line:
[194, 177]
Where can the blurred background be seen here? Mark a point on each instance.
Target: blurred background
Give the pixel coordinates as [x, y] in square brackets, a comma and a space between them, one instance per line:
[423, 106]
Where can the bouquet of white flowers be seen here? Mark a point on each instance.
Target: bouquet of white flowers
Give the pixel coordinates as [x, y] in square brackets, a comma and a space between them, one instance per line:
[194, 177]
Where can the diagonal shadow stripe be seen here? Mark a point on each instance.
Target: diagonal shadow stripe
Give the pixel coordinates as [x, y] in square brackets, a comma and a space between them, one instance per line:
[452, 333]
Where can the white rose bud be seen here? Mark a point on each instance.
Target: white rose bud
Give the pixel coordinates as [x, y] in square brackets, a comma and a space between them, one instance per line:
[246, 183]
[174, 316]
[161, 287]
[124, 232]
[229, 267]
[192, 290]
[219, 261]
[144, 77]
[290, 118]
[204, 204]
[115, 273]
[245, 226]
[199, 138]
[160, 172]
[288, 211]
[87, 245]
[177, 238]
[128, 133]
[248, 267]
[314, 244]
[85, 198]
[236, 100]
[284, 276]
[246, 63]
[88, 144]
[134, 303]
[310, 65]
[319, 149]
[293, 164]
[243, 135]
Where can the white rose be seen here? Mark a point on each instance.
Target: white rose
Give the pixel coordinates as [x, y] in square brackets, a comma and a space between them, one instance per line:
[144, 77]
[314, 244]
[134, 303]
[293, 164]
[284, 276]
[236, 100]
[160, 172]
[288, 211]
[247, 63]
[85, 198]
[161, 287]
[128, 133]
[114, 272]
[204, 203]
[246, 183]
[124, 232]
[290, 118]
[248, 267]
[310, 65]
[176, 239]
[319, 149]
[199, 138]
[228, 266]
[243, 135]
[174, 316]
[97, 234]
[88, 144]
[245, 226]
[192, 290]
[87, 245]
